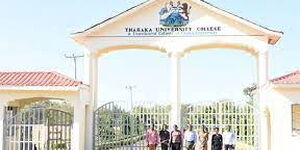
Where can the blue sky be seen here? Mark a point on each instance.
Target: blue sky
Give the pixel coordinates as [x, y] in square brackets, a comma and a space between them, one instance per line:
[34, 36]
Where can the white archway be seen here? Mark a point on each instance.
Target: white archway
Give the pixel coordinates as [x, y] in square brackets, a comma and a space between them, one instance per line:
[210, 27]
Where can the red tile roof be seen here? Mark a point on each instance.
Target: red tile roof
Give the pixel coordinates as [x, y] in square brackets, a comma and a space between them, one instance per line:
[36, 79]
[291, 78]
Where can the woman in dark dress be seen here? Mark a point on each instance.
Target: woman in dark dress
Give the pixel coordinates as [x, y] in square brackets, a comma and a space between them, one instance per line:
[217, 140]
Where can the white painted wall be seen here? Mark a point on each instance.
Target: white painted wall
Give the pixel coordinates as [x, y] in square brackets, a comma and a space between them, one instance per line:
[280, 101]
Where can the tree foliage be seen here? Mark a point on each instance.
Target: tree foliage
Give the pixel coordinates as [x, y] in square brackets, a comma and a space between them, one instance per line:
[52, 104]
[250, 92]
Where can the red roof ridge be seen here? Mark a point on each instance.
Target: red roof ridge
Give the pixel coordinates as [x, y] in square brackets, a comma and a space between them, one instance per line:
[289, 78]
[37, 78]
[60, 74]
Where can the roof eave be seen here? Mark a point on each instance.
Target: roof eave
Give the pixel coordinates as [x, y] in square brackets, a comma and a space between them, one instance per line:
[274, 39]
[85, 32]
[78, 38]
[273, 35]
[40, 88]
[285, 85]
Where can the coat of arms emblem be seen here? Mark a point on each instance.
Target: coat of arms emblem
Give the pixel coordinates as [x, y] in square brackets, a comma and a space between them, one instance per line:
[174, 15]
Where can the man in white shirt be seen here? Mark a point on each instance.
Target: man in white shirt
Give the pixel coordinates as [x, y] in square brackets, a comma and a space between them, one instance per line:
[190, 138]
[229, 139]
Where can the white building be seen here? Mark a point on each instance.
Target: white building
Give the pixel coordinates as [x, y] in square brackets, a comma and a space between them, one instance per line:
[283, 111]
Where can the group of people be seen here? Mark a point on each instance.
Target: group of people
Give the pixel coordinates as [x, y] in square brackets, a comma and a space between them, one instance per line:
[189, 139]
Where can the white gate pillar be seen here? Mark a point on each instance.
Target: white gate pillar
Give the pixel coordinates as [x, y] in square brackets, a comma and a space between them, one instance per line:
[78, 132]
[91, 78]
[2, 109]
[175, 117]
[260, 104]
[267, 127]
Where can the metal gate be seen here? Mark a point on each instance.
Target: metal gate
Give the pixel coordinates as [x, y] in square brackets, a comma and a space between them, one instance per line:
[117, 127]
[239, 116]
[37, 129]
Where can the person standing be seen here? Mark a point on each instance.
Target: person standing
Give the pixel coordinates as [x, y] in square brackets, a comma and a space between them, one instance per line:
[190, 138]
[176, 139]
[229, 139]
[217, 140]
[164, 135]
[203, 139]
[152, 138]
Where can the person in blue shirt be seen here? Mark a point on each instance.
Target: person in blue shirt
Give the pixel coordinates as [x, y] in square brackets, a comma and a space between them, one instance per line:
[190, 138]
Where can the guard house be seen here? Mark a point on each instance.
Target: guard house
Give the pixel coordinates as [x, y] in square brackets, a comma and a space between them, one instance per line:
[282, 111]
[40, 128]
[176, 29]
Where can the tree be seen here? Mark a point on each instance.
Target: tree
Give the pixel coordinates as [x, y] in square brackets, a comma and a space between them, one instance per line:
[51, 104]
[250, 92]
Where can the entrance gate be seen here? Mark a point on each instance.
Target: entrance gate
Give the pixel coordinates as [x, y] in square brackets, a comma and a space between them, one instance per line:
[37, 129]
[239, 116]
[117, 127]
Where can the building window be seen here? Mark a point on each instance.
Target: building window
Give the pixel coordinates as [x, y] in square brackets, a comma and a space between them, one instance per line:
[296, 119]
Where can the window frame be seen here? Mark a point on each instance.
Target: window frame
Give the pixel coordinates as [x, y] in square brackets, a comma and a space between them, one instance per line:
[295, 131]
